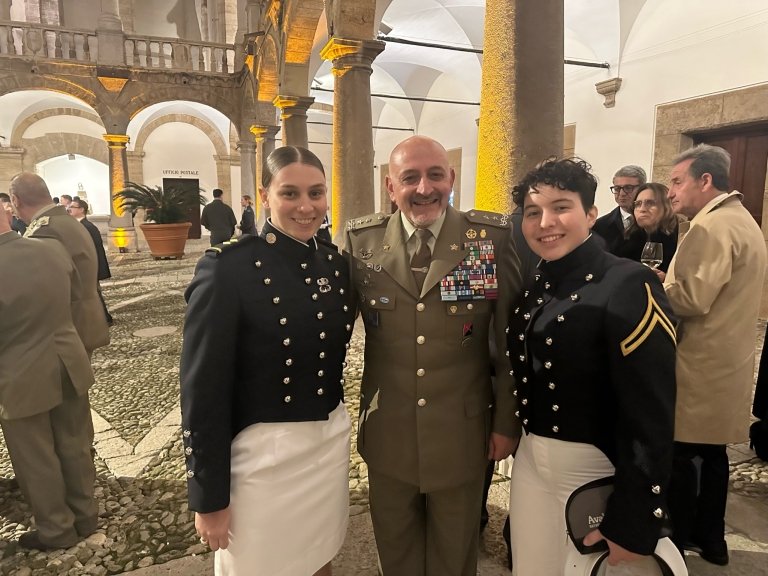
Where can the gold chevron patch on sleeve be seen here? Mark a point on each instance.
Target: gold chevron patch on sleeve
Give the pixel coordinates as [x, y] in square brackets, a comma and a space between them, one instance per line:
[653, 316]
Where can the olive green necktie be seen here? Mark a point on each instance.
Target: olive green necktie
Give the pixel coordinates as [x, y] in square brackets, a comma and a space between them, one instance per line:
[422, 257]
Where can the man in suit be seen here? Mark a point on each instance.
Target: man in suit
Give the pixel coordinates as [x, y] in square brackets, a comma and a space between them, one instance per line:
[44, 379]
[714, 284]
[429, 418]
[613, 227]
[219, 219]
[78, 208]
[33, 204]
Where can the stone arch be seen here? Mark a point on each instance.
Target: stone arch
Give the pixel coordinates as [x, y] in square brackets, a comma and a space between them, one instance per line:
[206, 128]
[28, 81]
[20, 129]
[269, 70]
[301, 24]
[53, 145]
[134, 99]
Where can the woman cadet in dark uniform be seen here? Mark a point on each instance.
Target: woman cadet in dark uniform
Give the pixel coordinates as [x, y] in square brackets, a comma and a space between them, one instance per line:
[592, 346]
[266, 433]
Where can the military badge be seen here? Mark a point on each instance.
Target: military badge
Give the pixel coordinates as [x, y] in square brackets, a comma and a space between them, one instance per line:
[475, 276]
[454, 247]
[483, 233]
[471, 233]
[271, 238]
[36, 224]
[365, 254]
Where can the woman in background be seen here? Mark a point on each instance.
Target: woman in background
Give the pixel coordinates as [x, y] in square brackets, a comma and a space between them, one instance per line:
[248, 220]
[266, 433]
[653, 214]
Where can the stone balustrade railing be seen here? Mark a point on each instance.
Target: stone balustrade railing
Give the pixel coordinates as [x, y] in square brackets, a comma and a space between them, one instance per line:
[46, 41]
[175, 54]
[26, 39]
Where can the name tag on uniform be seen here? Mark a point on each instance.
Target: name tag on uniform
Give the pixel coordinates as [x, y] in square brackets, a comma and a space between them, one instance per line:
[475, 276]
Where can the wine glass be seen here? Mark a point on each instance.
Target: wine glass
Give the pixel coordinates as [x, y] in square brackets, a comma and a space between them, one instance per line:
[652, 255]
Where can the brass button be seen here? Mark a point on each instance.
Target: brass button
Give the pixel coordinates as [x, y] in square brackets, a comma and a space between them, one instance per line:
[289, 362]
[283, 321]
[187, 450]
[322, 355]
[286, 380]
[287, 399]
[470, 306]
[420, 307]
[322, 335]
[267, 281]
[420, 372]
[276, 300]
[287, 342]
[551, 385]
[659, 513]
[320, 373]
[373, 302]
[420, 340]
[555, 429]
[319, 315]
[422, 402]
[190, 474]
[656, 489]
[555, 407]
[320, 392]
[187, 433]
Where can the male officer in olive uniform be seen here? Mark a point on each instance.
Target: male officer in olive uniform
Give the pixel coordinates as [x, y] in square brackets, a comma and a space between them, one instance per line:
[429, 279]
[34, 205]
[45, 374]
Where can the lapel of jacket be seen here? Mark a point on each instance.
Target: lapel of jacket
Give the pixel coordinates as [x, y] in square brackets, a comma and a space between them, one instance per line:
[394, 258]
[449, 249]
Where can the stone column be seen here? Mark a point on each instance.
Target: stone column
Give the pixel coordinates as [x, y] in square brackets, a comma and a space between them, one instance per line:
[5, 9]
[248, 169]
[521, 104]
[122, 234]
[265, 145]
[293, 114]
[352, 173]
[109, 32]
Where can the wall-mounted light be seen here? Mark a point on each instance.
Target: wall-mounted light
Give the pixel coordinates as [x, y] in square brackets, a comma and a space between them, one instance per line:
[70, 156]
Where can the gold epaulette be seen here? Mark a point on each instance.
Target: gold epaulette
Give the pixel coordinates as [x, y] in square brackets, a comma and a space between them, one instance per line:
[367, 221]
[36, 224]
[490, 218]
[229, 245]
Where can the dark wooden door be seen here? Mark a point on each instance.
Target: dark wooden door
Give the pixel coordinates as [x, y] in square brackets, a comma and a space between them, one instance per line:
[189, 186]
[749, 158]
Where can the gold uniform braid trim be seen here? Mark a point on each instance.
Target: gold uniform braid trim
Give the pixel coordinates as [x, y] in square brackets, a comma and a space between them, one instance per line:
[653, 315]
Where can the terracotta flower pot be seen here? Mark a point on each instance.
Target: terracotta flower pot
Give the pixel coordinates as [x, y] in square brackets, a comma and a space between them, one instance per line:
[166, 240]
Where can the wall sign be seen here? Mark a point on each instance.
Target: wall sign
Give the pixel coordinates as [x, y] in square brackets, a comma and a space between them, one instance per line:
[173, 172]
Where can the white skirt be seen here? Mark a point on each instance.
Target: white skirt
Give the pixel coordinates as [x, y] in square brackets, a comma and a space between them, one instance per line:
[289, 497]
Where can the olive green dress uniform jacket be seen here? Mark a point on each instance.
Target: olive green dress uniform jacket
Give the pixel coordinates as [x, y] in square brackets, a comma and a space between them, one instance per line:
[31, 302]
[427, 406]
[87, 311]
[714, 284]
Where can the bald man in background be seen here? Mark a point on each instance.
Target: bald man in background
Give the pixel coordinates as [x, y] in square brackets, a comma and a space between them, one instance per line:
[33, 204]
[45, 374]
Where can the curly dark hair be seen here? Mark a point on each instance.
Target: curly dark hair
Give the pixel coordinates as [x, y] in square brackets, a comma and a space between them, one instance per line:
[572, 174]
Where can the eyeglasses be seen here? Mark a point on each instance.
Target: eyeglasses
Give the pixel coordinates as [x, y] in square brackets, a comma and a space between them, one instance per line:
[647, 203]
[627, 189]
[74, 207]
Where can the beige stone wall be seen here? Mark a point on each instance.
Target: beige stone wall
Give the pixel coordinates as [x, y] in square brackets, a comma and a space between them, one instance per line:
[675, 121]
[10, 165]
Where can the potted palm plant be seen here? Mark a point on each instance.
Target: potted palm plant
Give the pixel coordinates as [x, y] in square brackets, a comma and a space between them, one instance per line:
[166, 215]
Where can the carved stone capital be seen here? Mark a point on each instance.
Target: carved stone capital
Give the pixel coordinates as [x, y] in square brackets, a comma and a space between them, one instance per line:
[608, 88]
[117, 140]
[263, 132]
[293, 105]
[346, 54]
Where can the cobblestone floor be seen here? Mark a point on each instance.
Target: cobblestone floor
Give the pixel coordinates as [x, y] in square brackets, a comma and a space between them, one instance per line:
[144, 519]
